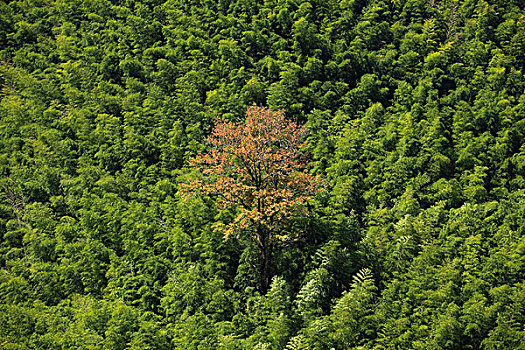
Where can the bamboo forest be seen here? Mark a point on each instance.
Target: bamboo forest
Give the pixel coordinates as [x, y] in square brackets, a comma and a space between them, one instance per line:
[262, 174]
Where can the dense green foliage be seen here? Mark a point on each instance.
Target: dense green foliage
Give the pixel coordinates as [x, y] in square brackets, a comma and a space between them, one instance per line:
[415, 111]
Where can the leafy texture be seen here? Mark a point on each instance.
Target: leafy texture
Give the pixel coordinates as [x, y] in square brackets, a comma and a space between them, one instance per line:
[411, 111]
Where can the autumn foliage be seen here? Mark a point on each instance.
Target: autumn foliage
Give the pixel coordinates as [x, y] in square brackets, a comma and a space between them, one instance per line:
[257, 167]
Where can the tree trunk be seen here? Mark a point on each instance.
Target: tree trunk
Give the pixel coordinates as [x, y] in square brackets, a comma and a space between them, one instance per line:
[265, 249]
[268, 273]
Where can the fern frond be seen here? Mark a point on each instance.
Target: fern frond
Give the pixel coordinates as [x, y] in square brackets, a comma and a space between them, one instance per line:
[364, 276]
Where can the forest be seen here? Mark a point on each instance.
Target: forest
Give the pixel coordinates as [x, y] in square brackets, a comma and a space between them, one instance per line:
[388, 212]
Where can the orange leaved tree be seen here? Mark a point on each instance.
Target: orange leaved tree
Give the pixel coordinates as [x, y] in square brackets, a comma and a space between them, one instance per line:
[257, 168]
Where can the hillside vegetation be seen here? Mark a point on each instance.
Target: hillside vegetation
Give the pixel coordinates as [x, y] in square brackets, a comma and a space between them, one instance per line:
[415, 111]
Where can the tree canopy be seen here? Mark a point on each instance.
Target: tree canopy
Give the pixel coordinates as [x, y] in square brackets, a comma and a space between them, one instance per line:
[257, 168]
